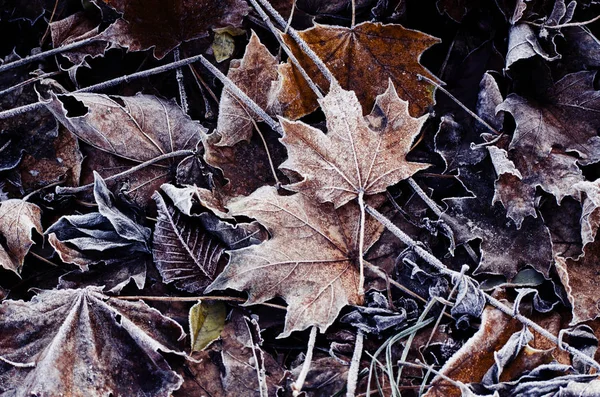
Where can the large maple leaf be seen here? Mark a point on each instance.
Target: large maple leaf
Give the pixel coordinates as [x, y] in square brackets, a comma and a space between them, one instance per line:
[310, 260]
[357, 154]
[362, 59]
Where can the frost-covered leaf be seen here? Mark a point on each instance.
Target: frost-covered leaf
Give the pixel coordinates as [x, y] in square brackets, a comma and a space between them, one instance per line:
[357, 154]
[165, 25]
[17, 220]
[253, 74]
[310, 260]
[207, 320]
[363, 59]
[79, 343]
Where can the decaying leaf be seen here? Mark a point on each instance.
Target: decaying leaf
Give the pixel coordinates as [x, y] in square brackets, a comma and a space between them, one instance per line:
[165, 25]
[79, 343]
[188, 251]
[17, 220]
[310, 260]
[253, 74]
[207, 320]
[354, 156]
[363, 59]
[136, 129]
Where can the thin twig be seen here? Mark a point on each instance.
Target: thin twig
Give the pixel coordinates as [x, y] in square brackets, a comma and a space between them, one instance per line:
[43, 39]
[355, 364]
[436, 263]
[297, 385]
[100, 86]
[29, 81]
[430, 203]
[179, 77]
[193, 299]
[78, 189]
[353, 4]
[564, 25]
[459, 103]
[46, 54]
[301, 43]
[289, 21]
[361, 242]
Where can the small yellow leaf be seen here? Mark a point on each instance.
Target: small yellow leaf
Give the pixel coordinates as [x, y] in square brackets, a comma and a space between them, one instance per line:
[206, 323]
[223, 46]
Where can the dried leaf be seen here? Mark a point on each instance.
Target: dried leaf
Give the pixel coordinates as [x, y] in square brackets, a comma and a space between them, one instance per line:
[207, 320]
[310, 260]
[164, 26]
[78, 343]
[76, 27]
[17, 219]
[363, 59]
[354, 155]
[253, 74]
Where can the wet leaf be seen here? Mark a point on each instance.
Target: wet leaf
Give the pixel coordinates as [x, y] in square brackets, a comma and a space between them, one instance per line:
[79, 343]
[17, 220]
[357, 154]
[362, 59]
[310, 260]
[164, 26]
[207, 320]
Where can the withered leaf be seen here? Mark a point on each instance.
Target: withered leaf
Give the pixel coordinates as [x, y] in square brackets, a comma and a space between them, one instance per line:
[17, 220]
[165, 25]
[253, 74]
[356, 154]
[137, 129]
[188, 251]
[362, 59]
[207, 320]
[79, 343]
[310, 260]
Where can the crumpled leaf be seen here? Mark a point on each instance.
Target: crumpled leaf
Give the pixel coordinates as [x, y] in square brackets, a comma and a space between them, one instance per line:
[187, 199]
[207, 320]
[362, 59]
[310, 260]
[375, 317]
[109, 235]
[188, 251]
[515, 344]
[137, 129]
[17, 220]
[356, 154]
[253, 74]
[470, 301]
[165, 25]
[78, 343]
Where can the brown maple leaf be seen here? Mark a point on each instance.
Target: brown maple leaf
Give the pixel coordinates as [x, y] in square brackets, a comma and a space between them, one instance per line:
[362, 59]
[166, 24]
[357, 154]
[253, 74]
[310, 260]
[17, 219]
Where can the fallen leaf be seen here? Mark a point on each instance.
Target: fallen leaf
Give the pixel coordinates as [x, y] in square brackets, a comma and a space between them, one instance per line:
[207, 320]
[362, 59]
[165, 26]
[456, 9]
[357, 154]
[310, 260]
[252, 74]
[17, 219]
[80, 343]
[76, 27]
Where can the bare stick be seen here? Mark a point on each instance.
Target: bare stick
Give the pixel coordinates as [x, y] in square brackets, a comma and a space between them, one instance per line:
[297, 385]
[179, 77]
[361, 242]
[289, 21]
[433, 261]
[301, 43]
[234, 89]
[192, 299]
[564, 25]
[353, 4]
[260, 372]
[355, 364]
[288, 51]
[29, 81]
[430, 203]
[100, 86]
[178, 153]
[459, 103]
[46, 54]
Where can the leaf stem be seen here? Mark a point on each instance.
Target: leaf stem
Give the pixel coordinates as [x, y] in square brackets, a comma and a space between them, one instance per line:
[459, 103]
[179, 77]
[564, 25]
[46, 54]
[436, 263]
[353, 5]
[79, 189]
[355, 364]
[100, 86]
[192, 299]
[297, 385]
[361, 243]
